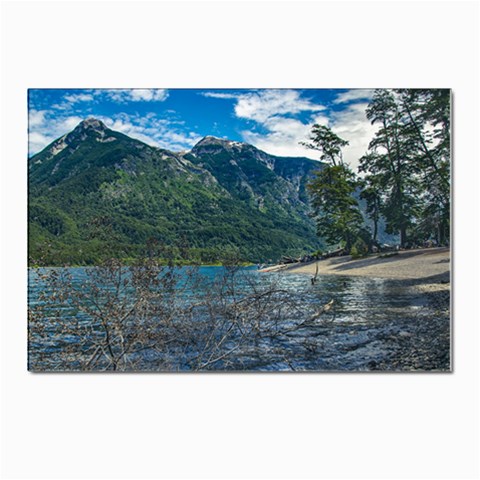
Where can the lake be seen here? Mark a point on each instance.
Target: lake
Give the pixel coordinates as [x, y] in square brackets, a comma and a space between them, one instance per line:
[256, 322]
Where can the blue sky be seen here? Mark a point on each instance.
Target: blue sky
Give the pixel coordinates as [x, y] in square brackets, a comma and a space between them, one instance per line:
[272, 120]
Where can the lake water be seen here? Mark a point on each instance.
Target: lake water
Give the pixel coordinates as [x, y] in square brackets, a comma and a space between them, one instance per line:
[375, 324]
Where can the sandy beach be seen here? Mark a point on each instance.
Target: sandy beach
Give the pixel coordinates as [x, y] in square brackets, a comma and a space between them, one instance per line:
[429, 264]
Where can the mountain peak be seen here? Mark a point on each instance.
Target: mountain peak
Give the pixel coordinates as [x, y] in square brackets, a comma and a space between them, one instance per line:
[210, 140]
[215, 141]
[91, 124]
[88, 128]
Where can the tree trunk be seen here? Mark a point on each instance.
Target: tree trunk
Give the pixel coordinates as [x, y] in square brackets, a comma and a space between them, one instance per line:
[403, 236]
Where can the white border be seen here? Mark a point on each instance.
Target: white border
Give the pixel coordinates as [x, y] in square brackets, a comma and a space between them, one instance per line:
[239, 426]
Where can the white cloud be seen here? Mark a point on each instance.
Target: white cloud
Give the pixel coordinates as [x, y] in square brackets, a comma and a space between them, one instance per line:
[152, 130]
[68, 123]
[320, 119]
[219, 95]
[121, 95]
[78, 97]
[36, 117]
[262, 105]
[273, 111]
[353, 95]
[46, 126]
[278, 143]
[135, 95]
[148, 95]
[351, 124]
[284, 136]
[69, 101]
[37, 142]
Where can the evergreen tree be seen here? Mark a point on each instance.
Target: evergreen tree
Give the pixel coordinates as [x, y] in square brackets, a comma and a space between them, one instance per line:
[428, 113]
[335, 208]
[327, 143]
[391, 160]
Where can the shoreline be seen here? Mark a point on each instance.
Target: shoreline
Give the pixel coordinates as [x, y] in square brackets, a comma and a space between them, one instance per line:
[131, 264]
[430, 264]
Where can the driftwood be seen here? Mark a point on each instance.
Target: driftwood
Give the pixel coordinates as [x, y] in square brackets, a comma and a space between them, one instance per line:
[314, 319]
[305, 259]
[314, 278]
[326, 308]
[286, 260]
[336, 253]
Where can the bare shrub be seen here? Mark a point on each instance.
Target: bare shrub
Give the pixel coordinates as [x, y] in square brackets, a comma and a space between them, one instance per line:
[150, 316]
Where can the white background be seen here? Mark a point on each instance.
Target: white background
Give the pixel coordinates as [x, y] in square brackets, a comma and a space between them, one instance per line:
[271, 425]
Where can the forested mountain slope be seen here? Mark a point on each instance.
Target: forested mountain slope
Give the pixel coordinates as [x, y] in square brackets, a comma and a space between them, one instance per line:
[96, 192]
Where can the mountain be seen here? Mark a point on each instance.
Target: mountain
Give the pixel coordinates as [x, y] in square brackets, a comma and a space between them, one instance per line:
[95, 192]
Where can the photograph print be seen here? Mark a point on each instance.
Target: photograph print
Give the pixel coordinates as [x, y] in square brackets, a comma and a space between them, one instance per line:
[239, 230]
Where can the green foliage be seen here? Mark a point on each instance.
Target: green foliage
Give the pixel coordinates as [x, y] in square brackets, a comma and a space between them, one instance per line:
[328, 143]
[95, 199]
[359, 248]
[48, 218]
[407, 168]
[428, 113]
[336, 210]
[390, 162]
